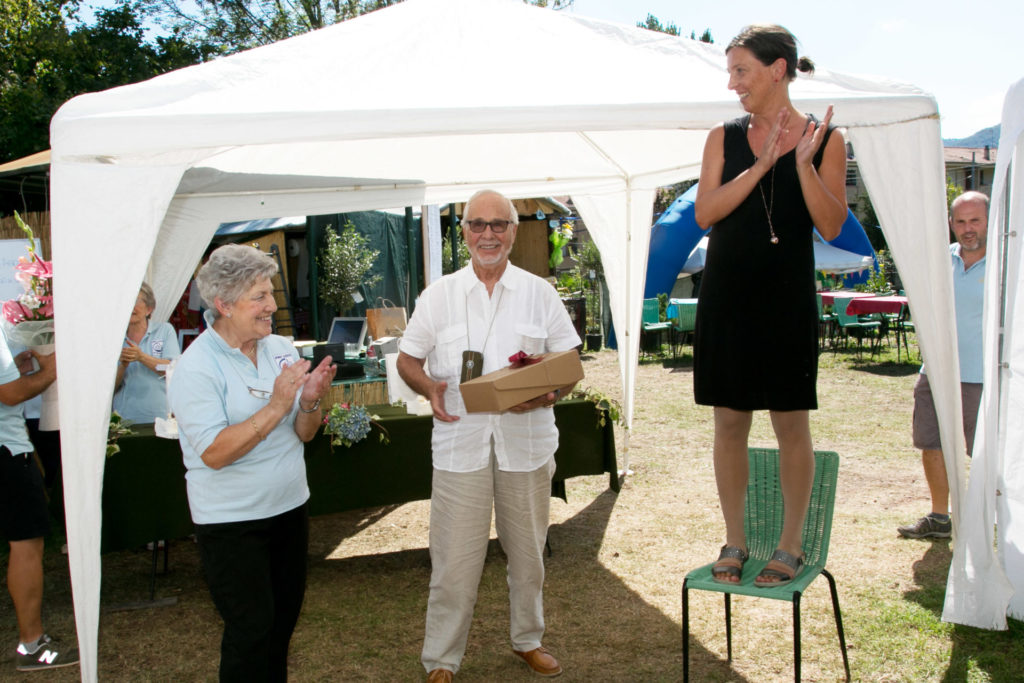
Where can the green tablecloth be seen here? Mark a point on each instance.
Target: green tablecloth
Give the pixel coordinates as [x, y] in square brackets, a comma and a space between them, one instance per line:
[144, 485]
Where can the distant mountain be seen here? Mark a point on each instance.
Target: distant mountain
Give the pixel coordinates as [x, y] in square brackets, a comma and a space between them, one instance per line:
[986, 136]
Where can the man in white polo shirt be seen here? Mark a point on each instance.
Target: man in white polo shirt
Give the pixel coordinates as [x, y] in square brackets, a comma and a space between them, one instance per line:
[24, 515]
[468, 323]
[969, 222]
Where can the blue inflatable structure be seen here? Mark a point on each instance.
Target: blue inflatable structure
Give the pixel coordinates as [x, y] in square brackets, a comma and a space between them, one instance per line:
[675, 234]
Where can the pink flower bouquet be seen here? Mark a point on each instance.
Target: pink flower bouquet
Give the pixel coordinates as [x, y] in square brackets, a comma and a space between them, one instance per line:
[28, 318]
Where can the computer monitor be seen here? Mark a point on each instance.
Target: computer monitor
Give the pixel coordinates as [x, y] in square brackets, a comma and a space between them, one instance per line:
[347, 331]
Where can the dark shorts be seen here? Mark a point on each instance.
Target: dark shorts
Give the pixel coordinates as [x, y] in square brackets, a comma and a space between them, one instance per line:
[926, 423]
[23, 510]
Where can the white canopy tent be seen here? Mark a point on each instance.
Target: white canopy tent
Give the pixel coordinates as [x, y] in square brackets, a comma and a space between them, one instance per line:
[354, 117]
[986, 579]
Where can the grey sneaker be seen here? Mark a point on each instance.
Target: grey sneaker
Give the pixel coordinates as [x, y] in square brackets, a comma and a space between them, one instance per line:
[927, 527]
[50, 655]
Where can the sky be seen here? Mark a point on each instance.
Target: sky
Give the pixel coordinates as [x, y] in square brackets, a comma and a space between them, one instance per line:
[966, 59]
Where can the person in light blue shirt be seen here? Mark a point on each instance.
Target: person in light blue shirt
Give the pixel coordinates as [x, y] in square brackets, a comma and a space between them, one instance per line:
[141, 394]
[969, 222]
[245, 404]
[24, 514]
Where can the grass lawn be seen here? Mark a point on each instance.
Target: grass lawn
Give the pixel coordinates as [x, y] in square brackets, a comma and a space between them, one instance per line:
[612, 595]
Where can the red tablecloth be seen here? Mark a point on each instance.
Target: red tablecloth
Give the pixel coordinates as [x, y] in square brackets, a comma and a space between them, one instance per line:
[877, 304]
[828, 298]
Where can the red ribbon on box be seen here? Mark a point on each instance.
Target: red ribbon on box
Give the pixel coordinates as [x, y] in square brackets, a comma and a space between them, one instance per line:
[521, 360]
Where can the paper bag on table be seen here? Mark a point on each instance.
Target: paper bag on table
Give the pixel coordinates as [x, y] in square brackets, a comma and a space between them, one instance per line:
[385, 320]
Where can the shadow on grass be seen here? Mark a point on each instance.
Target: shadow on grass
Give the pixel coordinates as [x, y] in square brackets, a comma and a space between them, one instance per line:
[598, 627]
[930, 576]
[883, 366]
[978, 654]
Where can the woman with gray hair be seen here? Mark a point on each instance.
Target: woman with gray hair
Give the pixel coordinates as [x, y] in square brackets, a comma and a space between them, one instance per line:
[245, 404]
[140, 392]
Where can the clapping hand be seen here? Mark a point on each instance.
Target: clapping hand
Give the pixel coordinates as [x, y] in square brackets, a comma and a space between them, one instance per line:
[131, 352]
[317, 382]
[811, 140]
[771, 150]
[291, 380]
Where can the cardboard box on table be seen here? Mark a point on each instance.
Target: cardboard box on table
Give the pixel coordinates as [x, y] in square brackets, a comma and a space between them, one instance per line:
[502, 389]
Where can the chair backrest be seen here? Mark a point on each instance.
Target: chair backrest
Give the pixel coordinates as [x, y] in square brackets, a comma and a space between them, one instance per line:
[839, 306]
[650, 311]
[764, 511]
[686, 318]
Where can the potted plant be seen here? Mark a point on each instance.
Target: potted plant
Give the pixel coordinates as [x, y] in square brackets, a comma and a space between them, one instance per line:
[344, 262]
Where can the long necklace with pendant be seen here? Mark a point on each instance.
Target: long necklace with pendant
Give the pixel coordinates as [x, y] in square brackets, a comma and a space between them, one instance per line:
[769, 205]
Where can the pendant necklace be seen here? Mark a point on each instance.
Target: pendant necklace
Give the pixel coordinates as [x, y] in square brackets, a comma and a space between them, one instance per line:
[473, 361]
[769, 205]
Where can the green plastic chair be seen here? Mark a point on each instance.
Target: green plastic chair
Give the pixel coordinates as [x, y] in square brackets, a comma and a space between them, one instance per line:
[763, 527]
[826, 325]
[852, 326]
[651, 325]
[685, 322]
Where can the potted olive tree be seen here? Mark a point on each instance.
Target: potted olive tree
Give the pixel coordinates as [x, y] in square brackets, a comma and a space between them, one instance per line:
[344, 262]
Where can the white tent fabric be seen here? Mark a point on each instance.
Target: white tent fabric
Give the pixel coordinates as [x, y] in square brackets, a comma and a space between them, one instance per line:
[352, 117]
[986, 579]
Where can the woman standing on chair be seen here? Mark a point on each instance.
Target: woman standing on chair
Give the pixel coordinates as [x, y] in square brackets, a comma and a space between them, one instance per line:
[245, 403]
[766, 179]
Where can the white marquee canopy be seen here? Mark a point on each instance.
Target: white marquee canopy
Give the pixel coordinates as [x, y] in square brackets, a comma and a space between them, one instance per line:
[424, 103]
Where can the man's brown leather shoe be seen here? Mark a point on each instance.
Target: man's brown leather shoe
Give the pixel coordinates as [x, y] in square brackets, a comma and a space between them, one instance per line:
[440, 676]
[541, 661]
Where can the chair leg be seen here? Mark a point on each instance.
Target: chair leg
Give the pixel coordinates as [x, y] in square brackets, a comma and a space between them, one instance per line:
[839, 621]
[728, 626]
[796, 637]
[686, 633]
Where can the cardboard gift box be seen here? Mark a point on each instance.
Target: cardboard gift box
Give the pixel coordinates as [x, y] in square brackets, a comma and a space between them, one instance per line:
[502, 389]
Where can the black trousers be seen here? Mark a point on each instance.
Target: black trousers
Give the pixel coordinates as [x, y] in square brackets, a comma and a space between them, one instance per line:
[256, 571]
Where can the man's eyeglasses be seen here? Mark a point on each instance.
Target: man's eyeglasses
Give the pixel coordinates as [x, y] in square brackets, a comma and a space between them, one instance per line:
[478, 225]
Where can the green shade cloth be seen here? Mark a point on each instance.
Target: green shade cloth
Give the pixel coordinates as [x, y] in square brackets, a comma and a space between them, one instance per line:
[144, 496]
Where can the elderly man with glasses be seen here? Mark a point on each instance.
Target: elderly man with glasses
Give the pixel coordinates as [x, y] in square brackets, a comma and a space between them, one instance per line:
[465, 324]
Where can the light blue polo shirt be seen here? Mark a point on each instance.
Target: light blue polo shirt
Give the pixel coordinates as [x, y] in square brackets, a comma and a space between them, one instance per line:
[210, 390]
[969, 302]
[13, 433]
[143, 395]
[969, 290]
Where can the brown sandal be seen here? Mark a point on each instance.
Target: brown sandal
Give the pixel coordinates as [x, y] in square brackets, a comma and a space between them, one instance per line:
[781, 569]
[729, 564]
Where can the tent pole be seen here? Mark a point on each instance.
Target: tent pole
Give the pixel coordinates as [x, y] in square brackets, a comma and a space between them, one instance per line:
[630, 367]
[313, 233]
[453, 236]
[414, 277]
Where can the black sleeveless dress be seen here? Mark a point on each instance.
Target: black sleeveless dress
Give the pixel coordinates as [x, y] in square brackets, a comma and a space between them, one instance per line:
[756, 338]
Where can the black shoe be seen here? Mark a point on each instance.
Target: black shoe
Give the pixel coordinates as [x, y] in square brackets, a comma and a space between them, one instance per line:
[927, 527]
[49, 655]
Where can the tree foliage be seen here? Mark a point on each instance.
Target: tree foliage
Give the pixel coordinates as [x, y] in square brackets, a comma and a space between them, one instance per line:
[234, 25]
[652, 23]
[344, 262]
[47, 57]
